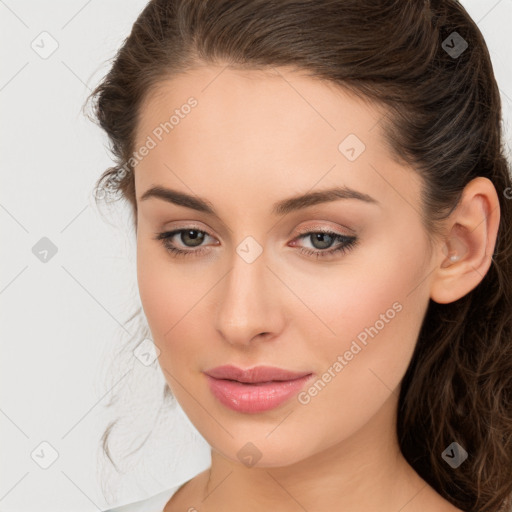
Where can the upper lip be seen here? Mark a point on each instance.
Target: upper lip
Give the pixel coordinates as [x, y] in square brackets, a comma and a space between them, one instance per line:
[252, 375]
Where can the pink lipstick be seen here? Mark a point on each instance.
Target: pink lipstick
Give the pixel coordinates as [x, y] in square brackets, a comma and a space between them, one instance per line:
[256, 389]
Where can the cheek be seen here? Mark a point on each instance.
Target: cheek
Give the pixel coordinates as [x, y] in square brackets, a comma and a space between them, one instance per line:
[361, 370]
[172, 297]
[153, 288]
[376, 318]
[371, 311]
[160, 289]
[378, 278]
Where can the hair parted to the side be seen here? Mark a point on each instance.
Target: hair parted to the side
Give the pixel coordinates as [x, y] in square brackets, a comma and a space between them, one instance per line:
[443, 118]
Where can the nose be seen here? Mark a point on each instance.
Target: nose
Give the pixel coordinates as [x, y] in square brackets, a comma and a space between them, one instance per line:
[248, 305]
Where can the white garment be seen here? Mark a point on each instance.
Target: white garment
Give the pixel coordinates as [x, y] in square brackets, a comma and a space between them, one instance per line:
[154, 504]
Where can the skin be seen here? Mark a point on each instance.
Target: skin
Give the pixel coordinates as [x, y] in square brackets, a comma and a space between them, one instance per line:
[254, 138]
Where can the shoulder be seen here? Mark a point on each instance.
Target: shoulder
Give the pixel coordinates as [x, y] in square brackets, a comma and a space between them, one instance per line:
[155, 503]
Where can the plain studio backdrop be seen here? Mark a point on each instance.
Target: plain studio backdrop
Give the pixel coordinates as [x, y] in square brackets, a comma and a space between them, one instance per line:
[68, 280]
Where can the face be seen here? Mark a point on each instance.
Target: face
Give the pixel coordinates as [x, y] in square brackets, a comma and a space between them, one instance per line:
[336, 289]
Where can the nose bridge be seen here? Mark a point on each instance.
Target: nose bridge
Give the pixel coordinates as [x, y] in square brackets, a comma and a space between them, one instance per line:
[247, 306]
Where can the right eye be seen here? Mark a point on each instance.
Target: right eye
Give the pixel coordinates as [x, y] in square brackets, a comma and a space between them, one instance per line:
[195, 236]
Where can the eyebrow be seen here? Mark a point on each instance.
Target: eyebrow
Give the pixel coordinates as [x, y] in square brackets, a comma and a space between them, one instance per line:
[280, 208]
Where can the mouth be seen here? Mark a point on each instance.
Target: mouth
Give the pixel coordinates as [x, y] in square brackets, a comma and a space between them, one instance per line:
[256, 390]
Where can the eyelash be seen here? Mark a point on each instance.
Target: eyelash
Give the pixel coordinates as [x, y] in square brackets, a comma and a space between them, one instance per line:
[349, 243]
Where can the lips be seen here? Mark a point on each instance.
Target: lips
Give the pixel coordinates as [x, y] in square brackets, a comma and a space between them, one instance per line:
[254, 390]
[256, 375]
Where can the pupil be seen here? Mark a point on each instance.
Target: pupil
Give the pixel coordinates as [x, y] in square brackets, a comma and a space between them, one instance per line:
[320, 237]
[194, 236]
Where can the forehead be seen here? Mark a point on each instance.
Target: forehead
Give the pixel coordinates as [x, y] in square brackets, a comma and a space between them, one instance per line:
[275, 129]
[271, 99]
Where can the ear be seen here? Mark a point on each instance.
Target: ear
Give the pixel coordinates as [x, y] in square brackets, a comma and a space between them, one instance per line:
[465, 253]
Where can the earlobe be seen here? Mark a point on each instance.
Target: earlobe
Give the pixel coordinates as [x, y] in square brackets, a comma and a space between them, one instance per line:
[465, 254]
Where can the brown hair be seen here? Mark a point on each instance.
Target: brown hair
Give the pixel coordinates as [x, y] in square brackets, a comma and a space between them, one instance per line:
[443, 115]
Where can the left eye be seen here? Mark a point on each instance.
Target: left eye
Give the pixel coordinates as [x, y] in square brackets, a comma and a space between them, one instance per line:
[196, 237]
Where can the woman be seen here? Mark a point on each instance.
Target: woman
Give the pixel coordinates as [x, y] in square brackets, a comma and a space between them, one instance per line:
[322, 208]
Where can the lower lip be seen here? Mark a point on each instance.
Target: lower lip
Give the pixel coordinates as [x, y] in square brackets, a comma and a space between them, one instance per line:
[254, 398]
